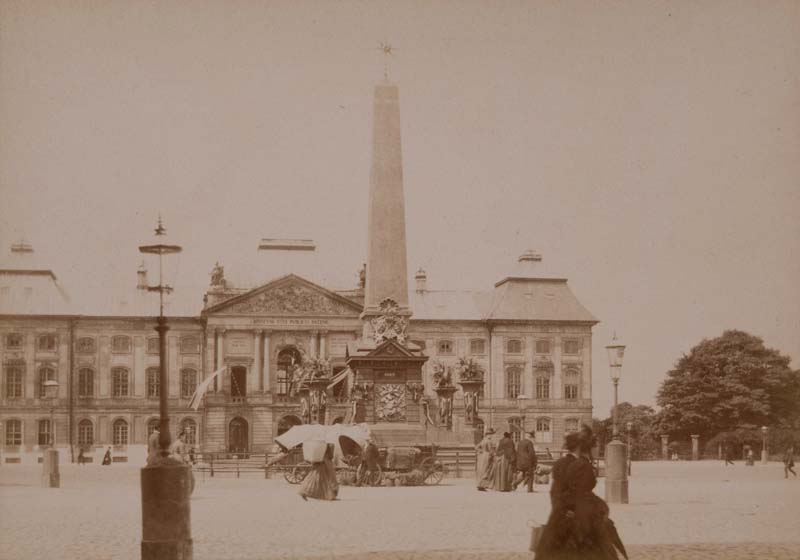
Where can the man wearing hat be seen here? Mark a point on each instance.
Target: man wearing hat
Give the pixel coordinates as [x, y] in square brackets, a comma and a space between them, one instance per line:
[369, 463]
[526, 461]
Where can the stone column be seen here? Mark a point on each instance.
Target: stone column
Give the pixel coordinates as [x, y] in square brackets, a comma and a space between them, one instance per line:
[267, 358]
[312, 344]
[695, 448]
[664, 447]
[323, 335]
[254, 377]
[220, 336]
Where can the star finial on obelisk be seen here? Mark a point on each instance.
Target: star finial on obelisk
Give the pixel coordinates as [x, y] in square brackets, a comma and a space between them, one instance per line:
[387, 50]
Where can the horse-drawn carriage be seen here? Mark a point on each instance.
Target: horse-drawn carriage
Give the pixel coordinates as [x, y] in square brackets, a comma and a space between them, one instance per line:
[416, 461]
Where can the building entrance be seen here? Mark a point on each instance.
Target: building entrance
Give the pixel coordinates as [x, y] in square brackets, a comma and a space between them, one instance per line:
[237, 436]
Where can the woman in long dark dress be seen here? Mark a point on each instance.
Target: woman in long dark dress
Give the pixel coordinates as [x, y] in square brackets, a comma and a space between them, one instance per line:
[579, 526]
[321, 483]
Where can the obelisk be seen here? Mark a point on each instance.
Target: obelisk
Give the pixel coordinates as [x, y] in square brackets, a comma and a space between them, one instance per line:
[386, 235]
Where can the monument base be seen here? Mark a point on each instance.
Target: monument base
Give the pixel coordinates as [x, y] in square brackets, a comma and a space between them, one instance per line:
[616, 473]
[51, 477]
[166, 513]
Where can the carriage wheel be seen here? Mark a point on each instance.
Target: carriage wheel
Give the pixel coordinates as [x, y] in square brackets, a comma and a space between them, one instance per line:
[374, 478]
[297, 474]
[434, 471]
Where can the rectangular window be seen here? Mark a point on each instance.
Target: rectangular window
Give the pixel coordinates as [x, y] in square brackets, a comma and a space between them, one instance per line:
[120, 432]
[513, 382]
[45, 374]
[121, 344]
[570, 392]
[85, 432]
[514, 346]
[542, 346]
[477, 346]
[13, 382]
[571, 425]
[153, 383]
[445, 347]
[152, 345]
[46, 343]
[542, 387]
[188, 383]
[44, 432]
[190, 345]
[85, 382]
[13, 432]
[119, 382]
[86, 345]
[572, 346]
[13, 341]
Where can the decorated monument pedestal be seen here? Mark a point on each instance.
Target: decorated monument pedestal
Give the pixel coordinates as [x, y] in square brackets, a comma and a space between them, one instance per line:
[445, 394]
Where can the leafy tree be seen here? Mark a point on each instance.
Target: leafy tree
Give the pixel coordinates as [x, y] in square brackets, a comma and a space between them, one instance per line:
[727, 383]
[644, 437]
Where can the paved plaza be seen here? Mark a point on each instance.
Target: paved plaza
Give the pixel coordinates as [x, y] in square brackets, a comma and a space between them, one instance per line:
[677, 510]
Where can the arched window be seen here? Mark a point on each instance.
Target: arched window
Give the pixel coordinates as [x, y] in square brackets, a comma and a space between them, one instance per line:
[44, 432]
[544, 432]
[572, 383]
[120, 432]
[189, 427]
[570, 425]
[85, 432]
[121, 344]
[85, 382]
[152, 424]
[513, 382]
[288, 359]
[153, 383]
[119, 382]
[188, 382]
[13, 382]
[13, 432]
[514, 346]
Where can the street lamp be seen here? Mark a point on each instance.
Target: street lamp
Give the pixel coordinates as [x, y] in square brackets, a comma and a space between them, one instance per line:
[51, 478]
[629, 426]
[616, 451]
[521, 402]
[166, 482]
[763, 445]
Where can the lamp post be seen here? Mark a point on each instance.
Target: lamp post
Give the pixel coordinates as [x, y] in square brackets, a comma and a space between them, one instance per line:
[51, 478]
[763, 445]
[616, 451]
[521, 402]
[629, 426]
[166, 483]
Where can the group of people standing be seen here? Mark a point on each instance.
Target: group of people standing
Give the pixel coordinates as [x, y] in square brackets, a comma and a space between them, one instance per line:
[502, 466]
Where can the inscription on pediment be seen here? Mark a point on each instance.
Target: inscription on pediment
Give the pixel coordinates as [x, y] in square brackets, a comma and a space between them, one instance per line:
[291, 299]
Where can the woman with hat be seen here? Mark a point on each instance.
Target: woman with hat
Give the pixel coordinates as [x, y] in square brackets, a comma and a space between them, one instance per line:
[485, 450]
[504, 464]
[579, 526]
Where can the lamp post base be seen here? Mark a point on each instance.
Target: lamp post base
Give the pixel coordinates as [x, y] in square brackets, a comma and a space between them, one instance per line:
[616, 473]
[166, 513]
[51, 477]
[764, 457]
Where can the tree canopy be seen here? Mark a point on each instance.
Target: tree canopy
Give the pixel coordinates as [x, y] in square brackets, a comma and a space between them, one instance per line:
[726, 383]
[644, 427]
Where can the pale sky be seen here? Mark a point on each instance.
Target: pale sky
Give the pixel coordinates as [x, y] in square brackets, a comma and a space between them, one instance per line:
[649, 150]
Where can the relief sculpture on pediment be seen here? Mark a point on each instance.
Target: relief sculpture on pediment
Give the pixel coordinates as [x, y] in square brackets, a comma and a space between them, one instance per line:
[292, 299]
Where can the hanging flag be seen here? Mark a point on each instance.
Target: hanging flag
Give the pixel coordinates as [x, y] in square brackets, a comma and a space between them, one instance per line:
[339, 377]
[197, 397]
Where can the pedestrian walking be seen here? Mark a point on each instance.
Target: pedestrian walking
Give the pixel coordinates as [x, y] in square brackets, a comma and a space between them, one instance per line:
[107, 457]
[321, 483]
[153, 447]
[485, 459]
[728, 456]
[788, 462]
[503, 469]
[369, 466]
[81, 458]
[579, 526]
[526, 462]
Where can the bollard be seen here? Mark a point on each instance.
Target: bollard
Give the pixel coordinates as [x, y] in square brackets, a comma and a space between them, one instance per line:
[536, 534]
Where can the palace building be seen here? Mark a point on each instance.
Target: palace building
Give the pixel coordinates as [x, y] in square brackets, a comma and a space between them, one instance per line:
[390, 349]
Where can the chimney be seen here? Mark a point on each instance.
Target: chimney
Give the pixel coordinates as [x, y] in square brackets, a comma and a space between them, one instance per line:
[421, 279]
[529, 264]
[141, 278]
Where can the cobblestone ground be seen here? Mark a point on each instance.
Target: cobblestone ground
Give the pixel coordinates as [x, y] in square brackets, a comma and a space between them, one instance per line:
[678, 511]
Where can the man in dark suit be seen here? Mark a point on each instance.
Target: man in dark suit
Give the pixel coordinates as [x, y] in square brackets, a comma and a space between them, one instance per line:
[560, 469]
[526, 461]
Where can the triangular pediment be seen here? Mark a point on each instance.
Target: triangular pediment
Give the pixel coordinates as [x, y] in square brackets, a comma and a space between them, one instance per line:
[290, 295]
[391, 349]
